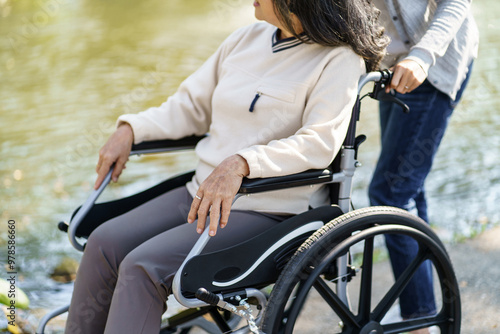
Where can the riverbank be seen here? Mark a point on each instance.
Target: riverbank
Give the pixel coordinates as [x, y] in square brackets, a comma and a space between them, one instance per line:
[477, 270]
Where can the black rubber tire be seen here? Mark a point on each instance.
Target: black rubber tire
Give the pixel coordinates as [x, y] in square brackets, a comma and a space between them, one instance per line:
[304, 271]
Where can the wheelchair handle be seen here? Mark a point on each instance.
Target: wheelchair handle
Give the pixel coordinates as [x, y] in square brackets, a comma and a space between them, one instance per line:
[89, 203]
[369, 77]
[382, 79]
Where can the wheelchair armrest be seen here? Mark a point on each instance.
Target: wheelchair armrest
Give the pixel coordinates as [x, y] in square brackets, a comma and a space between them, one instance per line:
[309, 177]
[166, 145]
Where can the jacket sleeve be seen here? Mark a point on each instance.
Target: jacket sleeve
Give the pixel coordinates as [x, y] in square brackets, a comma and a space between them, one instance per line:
[188, 111]
[324, 124]
[442, 29]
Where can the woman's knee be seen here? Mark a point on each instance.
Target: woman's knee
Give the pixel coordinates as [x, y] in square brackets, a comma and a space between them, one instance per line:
[103, 247]
[132, 265]
[137, 269]
[100, 239]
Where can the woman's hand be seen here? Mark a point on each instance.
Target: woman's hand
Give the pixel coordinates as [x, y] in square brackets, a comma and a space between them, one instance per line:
[115, 151]
[408, 75]
[217, 192]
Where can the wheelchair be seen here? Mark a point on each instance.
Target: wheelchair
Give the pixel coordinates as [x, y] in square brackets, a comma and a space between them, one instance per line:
[320, 266]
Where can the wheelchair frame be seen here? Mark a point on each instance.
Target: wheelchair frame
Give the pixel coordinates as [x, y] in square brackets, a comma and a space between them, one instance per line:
[207, 302]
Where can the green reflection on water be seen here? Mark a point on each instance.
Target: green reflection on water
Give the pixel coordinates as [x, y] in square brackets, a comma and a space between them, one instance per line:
[69, 68]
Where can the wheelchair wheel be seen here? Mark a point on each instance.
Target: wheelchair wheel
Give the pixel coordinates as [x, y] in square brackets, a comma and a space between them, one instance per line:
[304, 299]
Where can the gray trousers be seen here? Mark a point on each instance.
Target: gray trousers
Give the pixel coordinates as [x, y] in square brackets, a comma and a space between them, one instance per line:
[129, 262]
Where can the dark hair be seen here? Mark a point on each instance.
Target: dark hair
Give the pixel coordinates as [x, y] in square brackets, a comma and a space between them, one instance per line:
[338, 23]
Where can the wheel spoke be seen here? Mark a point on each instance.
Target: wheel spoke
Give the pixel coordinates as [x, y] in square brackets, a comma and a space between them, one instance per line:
[365, 293]
[385, 304]
[335, 303]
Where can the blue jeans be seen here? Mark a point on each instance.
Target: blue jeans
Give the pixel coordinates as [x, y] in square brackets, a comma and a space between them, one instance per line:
[409, 144]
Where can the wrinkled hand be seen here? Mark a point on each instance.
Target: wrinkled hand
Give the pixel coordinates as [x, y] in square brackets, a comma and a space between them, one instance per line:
[408, 75]
[115, 151]
[216, 194]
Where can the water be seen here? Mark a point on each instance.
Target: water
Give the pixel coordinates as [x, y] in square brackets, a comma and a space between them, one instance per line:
[69, 68]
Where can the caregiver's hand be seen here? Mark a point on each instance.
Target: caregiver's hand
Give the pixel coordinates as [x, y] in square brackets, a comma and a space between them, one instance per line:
[216, 194]
[408, 75]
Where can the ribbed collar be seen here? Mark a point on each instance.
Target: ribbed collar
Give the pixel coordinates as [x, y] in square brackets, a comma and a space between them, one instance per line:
[285, 43]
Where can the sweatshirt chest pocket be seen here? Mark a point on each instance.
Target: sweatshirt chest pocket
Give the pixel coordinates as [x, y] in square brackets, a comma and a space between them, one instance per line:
[276, 96]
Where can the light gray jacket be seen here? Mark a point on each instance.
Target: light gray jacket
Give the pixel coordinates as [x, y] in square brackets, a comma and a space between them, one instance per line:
[442, 36]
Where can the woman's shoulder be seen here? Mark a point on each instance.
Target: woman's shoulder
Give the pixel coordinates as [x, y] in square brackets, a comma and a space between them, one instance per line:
[251, 30]
[343, 58]
[344, 54]
[343, 50]
[245, 35]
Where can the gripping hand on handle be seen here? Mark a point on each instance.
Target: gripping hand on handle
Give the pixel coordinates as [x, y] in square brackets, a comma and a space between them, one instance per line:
[408, 75]
[115, 151]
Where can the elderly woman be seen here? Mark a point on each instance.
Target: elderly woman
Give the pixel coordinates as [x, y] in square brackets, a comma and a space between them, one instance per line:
[276, 99]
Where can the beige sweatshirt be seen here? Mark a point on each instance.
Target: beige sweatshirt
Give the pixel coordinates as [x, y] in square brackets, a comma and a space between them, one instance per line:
[300, 94]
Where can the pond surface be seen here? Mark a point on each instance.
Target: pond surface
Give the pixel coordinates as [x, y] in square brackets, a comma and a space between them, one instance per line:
[69, 68]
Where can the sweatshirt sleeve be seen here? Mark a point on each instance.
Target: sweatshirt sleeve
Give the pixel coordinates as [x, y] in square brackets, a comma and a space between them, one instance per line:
[324, 123]
[188, 111]
[447, 20]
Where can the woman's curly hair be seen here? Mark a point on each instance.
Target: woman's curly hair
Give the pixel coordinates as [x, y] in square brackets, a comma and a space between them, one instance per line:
[337, 23]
